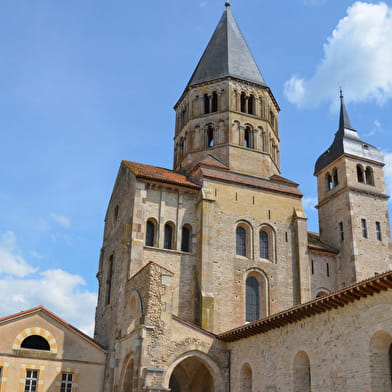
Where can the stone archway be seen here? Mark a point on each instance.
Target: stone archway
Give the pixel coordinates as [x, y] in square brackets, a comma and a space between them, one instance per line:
[191, 375]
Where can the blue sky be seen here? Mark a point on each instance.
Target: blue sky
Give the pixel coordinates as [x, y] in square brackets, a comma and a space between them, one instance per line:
[85, 84]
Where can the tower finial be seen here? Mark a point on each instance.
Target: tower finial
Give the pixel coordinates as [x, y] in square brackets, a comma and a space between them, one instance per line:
[344, 121]
[227, 4]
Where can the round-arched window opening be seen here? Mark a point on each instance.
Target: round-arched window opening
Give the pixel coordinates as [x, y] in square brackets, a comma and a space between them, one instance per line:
[36, 342]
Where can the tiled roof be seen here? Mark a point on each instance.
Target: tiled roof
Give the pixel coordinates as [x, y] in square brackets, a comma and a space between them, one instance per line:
[159, 174]
[62, 321]
[314, 243]
[337, 299]
[256, 182]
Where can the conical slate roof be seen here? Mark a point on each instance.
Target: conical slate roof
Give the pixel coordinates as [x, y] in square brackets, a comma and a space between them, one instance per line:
[347, 141]
[227, 54]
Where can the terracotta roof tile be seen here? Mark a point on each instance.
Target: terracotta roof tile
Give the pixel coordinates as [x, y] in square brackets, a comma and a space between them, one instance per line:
[159, 174]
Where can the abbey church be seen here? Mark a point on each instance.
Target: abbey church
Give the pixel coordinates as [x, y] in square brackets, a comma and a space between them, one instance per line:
[209, 280]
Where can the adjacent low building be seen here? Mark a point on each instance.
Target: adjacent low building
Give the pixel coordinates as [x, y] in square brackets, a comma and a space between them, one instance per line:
[40, 352]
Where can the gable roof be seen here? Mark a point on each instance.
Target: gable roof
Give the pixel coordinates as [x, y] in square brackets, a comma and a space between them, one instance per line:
[227, 54]
[41, 308]
[159, 174]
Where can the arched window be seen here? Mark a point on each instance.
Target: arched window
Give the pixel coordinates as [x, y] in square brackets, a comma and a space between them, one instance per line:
[241, 241]
[251, 105]
[128, 378]
[390, 362]
[243, 103]
[150, 232]
[36, 342]
[210, 136]
[329, 181]
[246, 378]
[214, 102]
[360, 174]
[381, 361]
[252, 299]
[369, 176]
[186, 238]
[262, 107]
[302, 374]
[264, 245]
[335, 178]
[168, 236]
[248, 138]
[206, 104]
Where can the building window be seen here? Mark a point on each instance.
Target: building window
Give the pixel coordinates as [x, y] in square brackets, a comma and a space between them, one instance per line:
[116, 214]
[329, 182]
[35, 342]
[248, 138]
[66, 382]
[378, 231]
[206, 104]
[31, 382]
[168, 236]
[246, 378]
[364, 228]
[341, 231]
[390, 361]
[252, 299]
[1, 374]
[109, 280]
[243, 103]
[214, 102]
[264, 245]
[302, 374]
[328, 270]
[251, 105]
[312, 267]
[210, 136]
[369, 176]
[241, 241]
[150, 233]
[335, 178]
[360, 174]
[186, 239]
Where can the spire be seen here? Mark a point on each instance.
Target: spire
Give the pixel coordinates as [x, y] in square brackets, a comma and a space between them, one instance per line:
[227, 54]
[344, 121]
[347, 142]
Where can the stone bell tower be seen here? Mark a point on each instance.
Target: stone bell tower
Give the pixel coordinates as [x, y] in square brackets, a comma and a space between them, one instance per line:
[352, 204]
[227, 110]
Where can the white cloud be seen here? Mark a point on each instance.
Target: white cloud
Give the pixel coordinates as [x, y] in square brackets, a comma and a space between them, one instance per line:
[60, 291]
[11, 262]
[388, 172]
[61, 220]
[357, 56]
[377, 128]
